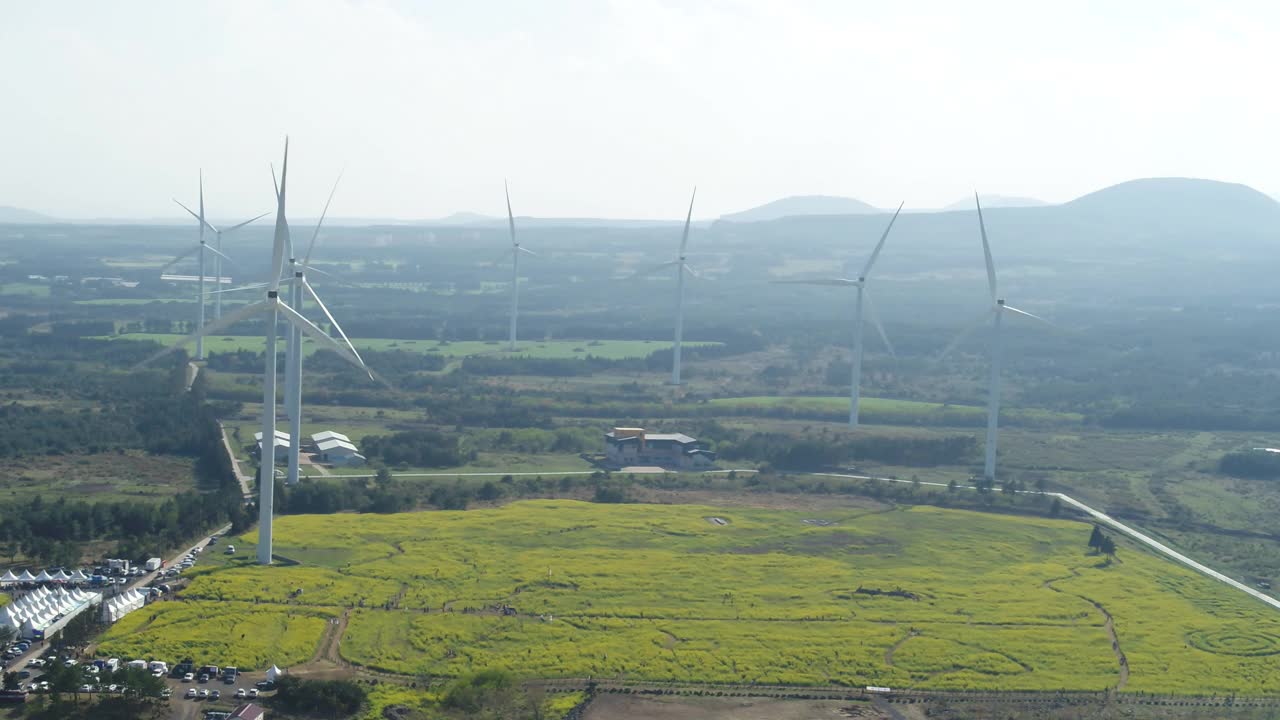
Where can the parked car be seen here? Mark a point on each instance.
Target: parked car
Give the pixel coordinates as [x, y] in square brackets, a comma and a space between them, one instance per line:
[240, 693]
[253, 692]
[204, 678]
[214, 694]
[191, 693]
[188, 677]
[204, 692]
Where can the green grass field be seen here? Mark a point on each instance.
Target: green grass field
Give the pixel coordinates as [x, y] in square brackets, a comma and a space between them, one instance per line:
[21, 288]
[548, 349]
[131, 475]
[886, 410]
[920, 597]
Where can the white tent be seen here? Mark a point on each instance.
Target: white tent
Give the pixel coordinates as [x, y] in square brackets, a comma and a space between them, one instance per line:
[9, 578]
[274, 673]
[61, 575]
[28, 629]
[44, 576]
[26, 577]
[78, 576]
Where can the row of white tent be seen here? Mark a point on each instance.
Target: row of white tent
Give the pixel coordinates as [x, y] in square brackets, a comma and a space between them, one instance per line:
[61, 576]
[122, 604]
[36, 611]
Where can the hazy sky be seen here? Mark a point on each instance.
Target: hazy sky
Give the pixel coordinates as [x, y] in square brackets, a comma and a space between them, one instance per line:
[614, 109]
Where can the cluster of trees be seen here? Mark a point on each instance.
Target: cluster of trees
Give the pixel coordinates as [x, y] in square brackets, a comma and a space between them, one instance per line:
[1254, 465]
[415, 448]
[318, 698]
[491, 695]
[140, 699]
[1102, 543]
[790, 452]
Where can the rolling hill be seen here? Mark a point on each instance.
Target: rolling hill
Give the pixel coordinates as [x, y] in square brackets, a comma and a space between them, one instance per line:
[803, 205]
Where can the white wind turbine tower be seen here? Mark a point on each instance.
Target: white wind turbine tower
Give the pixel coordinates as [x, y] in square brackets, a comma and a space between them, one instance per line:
[996, 313]
[681, 268]
[199, 249]
[862, 299]
[515, 251]
[271, 309]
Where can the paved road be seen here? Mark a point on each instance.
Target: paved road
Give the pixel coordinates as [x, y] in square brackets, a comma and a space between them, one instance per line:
[235, 463]
[1110, 522]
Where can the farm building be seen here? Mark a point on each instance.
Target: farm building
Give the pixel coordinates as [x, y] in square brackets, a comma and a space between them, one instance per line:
[282, 444]
[635, 446]
[339, 452]
[320, 437]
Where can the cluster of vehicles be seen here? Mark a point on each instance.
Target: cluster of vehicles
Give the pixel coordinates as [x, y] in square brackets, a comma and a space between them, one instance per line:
[16, 649]
[210, 673]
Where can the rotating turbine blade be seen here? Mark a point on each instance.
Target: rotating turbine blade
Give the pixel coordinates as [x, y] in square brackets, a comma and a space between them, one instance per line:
[838, 282]
[233, 228]
[321, 336]
[213, 328]
[967, 332]
[306, 261]
[684, 239]
[336, 278]
[334, 323]
[986, 250]
[1013, 309]
[242, 288]
[880, 245]
[525, 250]
[684, 267]
[652, 270]
[180, 257]
[875, 320]
[282, 225]
[511, 218]
[204, 222]
[219, 253]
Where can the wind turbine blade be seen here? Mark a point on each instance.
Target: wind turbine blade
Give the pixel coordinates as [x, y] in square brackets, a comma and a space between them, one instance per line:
[220, 254]
[511, 218]
[204, 222]
[180, 257]
[966, 332]
[242, 288]
[339, 280]
[691, 271]
[306, 262]
[652, 270]
[838, 282]
[282, 225]
[986, 250]
[875, 320]
[880, 245]
[346, 351]
[213, 328]
[246, 222]
[526, 250]
[684, 239]
[1011, 308]
[329, 316]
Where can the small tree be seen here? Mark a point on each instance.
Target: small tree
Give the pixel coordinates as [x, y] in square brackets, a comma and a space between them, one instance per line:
[1107, 546]
[1095, 539]
[11, 681]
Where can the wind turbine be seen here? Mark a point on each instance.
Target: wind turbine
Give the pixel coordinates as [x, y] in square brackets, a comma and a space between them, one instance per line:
[199, 248]
[271, 309]
[996, 313]
[681, 268]
[862, 298]
[217, 246]
[515, 251]
[300, 289]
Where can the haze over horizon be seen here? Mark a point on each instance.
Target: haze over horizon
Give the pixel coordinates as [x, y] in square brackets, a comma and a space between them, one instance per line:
[616, 109]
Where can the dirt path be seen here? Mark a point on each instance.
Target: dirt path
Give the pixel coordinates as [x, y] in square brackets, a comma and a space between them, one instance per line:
[888, 654]
[1108, 623]
[235, 463]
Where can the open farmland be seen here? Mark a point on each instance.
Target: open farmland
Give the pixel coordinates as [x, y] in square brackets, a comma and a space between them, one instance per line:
[547, 349]
[920, 597]
[885, 410]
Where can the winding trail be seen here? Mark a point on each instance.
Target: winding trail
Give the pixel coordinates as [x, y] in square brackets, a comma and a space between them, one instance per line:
[1108, 624]
[888, 654]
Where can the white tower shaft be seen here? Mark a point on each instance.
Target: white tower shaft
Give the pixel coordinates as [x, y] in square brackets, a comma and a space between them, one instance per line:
[515, 296]
[993, 399]
[855, 388]
[200, 313]
[217, 274]
[675, 348]
[267, 459]
[295, 382]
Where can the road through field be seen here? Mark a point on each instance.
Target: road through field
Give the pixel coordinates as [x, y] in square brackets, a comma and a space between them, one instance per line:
[1108, 521]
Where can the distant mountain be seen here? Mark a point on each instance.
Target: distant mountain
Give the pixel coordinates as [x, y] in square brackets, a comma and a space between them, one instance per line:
[1179, 204]
[803, 205]
[996, 201]
[19, 216]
